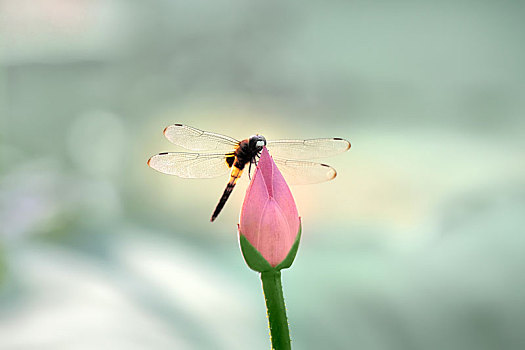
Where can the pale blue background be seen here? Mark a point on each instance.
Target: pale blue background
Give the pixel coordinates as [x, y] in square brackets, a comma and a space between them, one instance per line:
[418, 244]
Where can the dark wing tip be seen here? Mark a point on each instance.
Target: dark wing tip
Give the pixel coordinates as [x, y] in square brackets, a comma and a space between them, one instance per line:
[340, 139]
[163, 153]
[166, 128]
[332, 176]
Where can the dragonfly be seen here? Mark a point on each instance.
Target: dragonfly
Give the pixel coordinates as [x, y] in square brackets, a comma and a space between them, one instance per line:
[216, 155]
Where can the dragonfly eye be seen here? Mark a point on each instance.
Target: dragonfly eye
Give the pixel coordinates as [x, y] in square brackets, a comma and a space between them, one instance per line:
[257, 141]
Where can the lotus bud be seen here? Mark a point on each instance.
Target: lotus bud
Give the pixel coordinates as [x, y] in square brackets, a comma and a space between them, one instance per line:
[269, 229]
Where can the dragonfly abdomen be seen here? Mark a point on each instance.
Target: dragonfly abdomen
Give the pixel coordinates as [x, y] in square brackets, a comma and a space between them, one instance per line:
[237, 170]
[245, 153]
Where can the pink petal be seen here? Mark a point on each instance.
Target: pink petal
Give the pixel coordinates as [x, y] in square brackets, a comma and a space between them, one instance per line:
[277, 239]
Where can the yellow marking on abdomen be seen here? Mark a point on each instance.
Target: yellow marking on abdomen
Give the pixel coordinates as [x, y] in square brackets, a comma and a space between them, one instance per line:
[235, 175]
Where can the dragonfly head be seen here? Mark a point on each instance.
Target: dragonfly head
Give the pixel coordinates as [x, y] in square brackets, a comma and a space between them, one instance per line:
[257, 142]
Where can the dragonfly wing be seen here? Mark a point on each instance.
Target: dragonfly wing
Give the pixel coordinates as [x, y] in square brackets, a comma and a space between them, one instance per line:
[198, 140]
[190, 165]
[307, 149]
[300, 172]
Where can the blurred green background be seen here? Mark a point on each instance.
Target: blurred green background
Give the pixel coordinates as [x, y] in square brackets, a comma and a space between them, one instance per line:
[418, 244]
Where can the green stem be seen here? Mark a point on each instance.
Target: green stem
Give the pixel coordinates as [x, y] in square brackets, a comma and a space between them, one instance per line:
[278, 323]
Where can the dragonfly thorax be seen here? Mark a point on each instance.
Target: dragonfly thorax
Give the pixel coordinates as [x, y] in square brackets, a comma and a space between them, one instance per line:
[248, 150]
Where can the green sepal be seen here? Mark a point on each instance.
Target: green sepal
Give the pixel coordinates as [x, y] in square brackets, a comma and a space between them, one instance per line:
[257, 262]
[253, 258]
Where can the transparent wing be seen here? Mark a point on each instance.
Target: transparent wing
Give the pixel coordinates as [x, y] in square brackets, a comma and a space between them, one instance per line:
[198, 140]
[307, 149]
[190, 165]
[300, 172]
